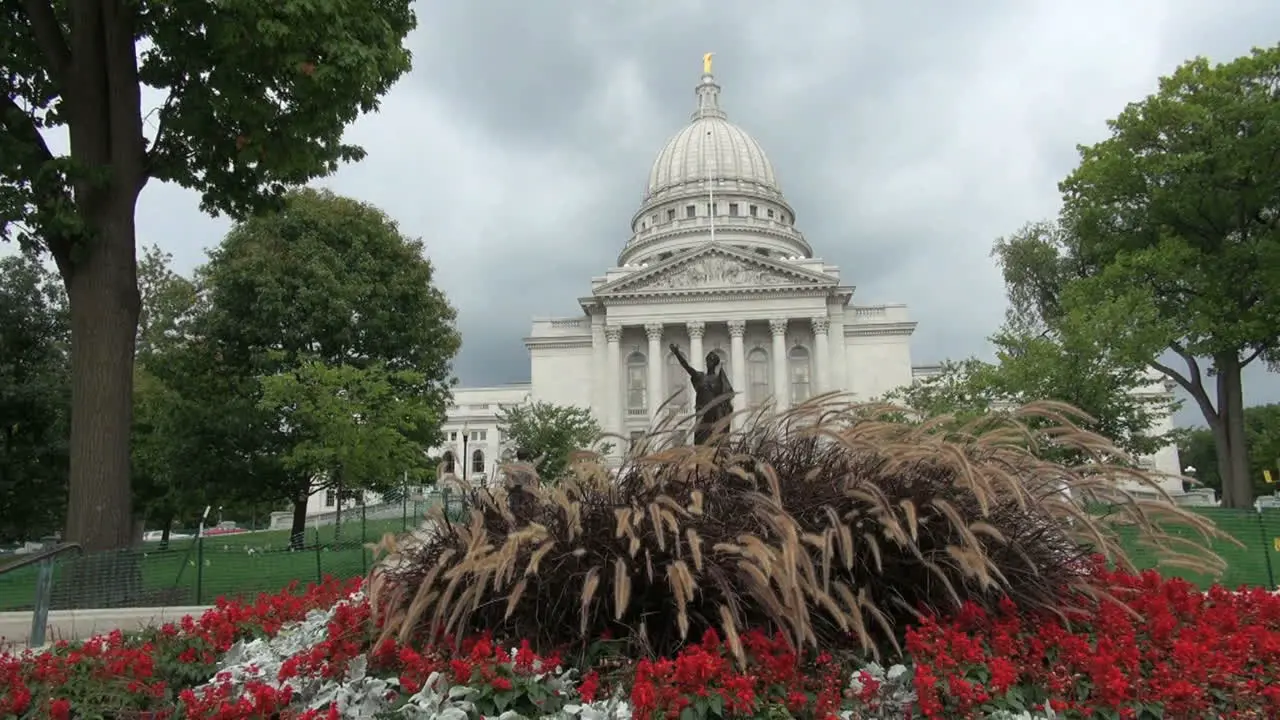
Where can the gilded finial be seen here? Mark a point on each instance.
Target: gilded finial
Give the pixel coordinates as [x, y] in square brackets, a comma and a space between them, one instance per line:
[706, 63]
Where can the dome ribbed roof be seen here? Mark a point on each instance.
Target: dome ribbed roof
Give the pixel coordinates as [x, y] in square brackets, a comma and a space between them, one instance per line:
[711, 147]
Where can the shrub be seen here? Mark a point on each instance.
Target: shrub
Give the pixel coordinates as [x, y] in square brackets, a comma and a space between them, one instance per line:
[833, 523]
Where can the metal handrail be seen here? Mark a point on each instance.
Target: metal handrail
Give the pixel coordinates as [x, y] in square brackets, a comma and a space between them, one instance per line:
[34, 558]
[44, 586]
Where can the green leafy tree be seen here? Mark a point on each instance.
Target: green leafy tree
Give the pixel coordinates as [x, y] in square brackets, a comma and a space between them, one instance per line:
[1198, 449]
[162, 455]
[328, 282]
[257, 95]
[1169, 240]
[34, 399]
[1118, 397]
[352, 428]
[548, 434]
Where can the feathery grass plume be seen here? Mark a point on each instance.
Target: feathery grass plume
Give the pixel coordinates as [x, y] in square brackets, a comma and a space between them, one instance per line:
[834, 522]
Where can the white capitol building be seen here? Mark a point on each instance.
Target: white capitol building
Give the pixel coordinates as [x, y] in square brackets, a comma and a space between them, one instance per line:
[716, 263]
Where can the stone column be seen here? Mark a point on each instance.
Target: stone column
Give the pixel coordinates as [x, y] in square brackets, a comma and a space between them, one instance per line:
[821, 355]
[599, 371]
[738, 368]
[696, 329]
[656, 361]
[613, 380]
[781, 388]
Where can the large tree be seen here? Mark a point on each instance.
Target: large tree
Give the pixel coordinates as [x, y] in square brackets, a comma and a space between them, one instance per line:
[1121, 400]
[1168, 244]
[1198, 450]
[327, 290]
[255, 99]
[34, 399]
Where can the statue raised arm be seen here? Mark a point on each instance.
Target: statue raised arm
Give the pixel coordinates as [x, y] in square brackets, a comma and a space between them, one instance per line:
[684, 362]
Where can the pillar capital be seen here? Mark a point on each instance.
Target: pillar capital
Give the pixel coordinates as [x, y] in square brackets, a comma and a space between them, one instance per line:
[653, 330]
[613, 333]
[778, 326]
[696, 328]
[820, 325]
[737, 328]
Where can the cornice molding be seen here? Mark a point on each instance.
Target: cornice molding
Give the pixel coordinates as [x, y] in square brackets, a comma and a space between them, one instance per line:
[880, 329]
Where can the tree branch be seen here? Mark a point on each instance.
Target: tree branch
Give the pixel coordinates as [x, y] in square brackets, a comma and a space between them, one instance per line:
[1252, 357]
[19, 124]
[48, 34]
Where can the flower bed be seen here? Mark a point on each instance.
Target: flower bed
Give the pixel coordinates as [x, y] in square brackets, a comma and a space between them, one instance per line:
[1180, 653]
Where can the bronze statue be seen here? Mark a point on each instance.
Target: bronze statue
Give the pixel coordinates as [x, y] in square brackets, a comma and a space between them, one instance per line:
[712, 395]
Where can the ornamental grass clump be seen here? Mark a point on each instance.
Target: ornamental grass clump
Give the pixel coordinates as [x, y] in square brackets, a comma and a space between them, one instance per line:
[836, 524]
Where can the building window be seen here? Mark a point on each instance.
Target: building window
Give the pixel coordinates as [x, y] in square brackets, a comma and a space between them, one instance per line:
[477, 461]
[711, 210]
[637, 384]
[757, 377]
[770, 212]
[671, 215]
[784, 218]
[654, 218]
[798, 359]
[330, 498]
[479, 435]
[453, 437]
[754, 211]
[677, 384]
[733, 209]
[690, 211]
[448, 462]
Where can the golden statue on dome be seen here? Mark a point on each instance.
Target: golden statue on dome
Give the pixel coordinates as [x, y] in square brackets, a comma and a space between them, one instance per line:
[706, 63]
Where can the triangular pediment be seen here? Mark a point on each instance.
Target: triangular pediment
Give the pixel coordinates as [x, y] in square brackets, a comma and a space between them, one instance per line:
[716, 268]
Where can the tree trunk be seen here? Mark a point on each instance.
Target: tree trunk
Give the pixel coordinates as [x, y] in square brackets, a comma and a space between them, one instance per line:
[1237, 485]
[164, 531]
[298, 531]
[103, 293]
[97, 73]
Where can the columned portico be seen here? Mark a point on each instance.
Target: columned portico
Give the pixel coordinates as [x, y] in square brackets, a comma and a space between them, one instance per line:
[822, 354]
[738, 366]
[653, 331]
[613, 379]
[781, 388]
[696, 329]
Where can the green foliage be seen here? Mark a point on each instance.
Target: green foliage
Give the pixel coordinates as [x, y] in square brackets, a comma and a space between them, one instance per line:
[1197, 449]
[369, 422]
[257, 97]
[548, 434]
[1169, 240]
[34, 399]
[310, 317]
[1121, 398]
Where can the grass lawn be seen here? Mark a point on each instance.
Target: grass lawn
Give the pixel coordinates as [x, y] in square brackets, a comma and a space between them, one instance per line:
[241, 564]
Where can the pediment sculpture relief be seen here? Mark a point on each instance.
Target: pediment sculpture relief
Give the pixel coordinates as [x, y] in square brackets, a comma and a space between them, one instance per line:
[717, 271]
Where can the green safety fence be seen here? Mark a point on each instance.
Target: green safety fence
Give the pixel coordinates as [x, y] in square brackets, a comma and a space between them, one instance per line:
[197, 571]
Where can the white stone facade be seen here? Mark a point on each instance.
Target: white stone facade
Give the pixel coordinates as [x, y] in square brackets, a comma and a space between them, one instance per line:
[715, 263]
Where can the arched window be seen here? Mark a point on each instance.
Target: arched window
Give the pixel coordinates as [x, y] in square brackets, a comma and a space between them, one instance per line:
[477, 461]
[757, 377]
[798, 359]
[677, 384]
[637, 384]
[448, 461]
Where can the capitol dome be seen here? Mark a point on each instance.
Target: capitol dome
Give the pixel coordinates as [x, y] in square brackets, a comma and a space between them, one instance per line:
[711, 182]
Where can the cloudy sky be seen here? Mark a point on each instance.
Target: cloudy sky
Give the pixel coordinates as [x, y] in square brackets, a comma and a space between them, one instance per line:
[907, 140]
